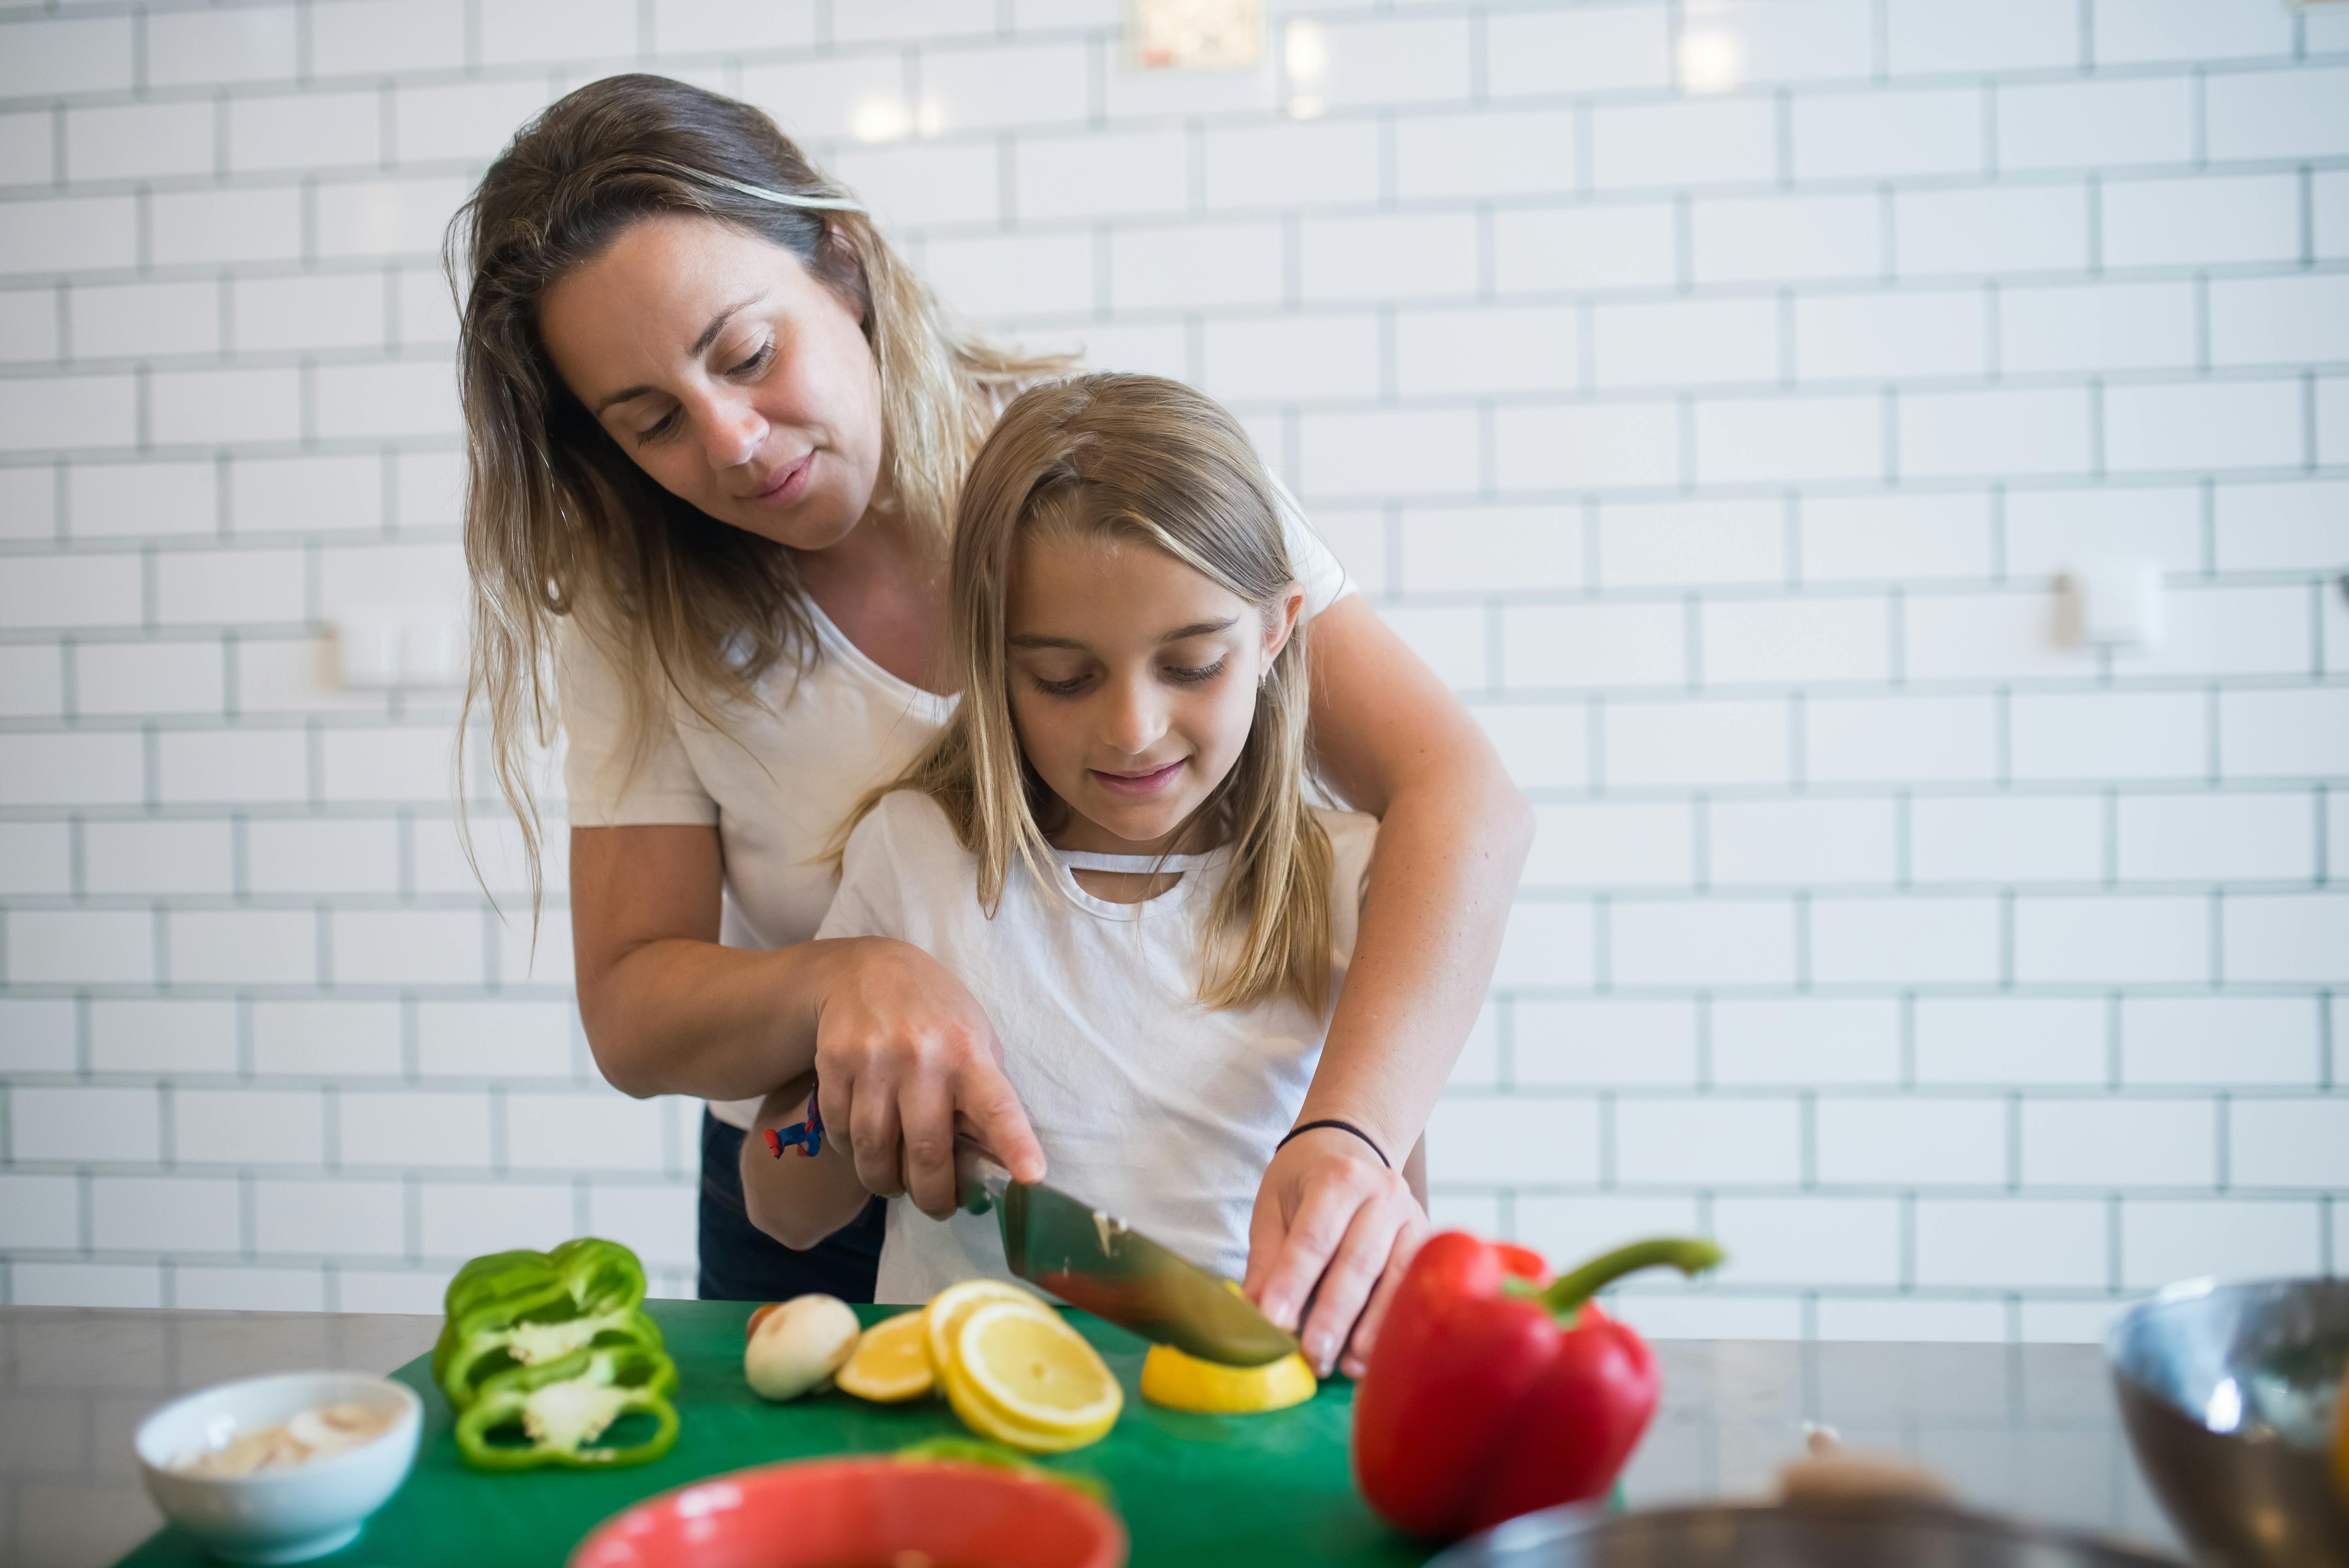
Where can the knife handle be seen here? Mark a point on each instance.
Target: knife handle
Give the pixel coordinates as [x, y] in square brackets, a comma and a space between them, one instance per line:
[980, 1181]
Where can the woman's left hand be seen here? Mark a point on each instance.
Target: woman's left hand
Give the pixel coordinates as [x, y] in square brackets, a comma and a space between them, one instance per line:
[1335, 1226]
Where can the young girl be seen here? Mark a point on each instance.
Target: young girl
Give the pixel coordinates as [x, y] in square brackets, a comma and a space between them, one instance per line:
[1109, 843]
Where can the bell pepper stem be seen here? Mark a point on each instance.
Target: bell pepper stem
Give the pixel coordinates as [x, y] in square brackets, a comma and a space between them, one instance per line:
[1565, 1296]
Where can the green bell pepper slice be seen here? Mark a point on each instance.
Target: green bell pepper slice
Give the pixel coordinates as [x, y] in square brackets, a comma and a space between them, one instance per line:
[553, 1412]
[995, 1456]
[524, 1308]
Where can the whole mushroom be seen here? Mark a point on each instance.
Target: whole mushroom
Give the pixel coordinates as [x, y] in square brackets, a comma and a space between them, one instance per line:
[797, 1344]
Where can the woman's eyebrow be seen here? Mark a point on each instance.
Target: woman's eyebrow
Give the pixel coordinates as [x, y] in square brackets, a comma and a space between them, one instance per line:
[700, 346]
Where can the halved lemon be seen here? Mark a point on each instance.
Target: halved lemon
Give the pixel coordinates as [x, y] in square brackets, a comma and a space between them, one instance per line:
[943, 1317]
[1029, 1380]
[890, 1363]
[1181, 1382]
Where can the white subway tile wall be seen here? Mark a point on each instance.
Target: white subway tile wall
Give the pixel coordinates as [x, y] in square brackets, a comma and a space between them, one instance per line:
[1717, 397]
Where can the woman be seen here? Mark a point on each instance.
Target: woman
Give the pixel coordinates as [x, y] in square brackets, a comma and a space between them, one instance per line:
[716, 428]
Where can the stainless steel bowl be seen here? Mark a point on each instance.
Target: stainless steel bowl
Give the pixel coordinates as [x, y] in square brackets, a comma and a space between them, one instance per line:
[1891, 1534]
[2228, 1394]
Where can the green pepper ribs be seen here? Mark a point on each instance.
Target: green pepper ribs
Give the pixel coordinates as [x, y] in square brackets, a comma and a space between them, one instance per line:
[542, 1354]
[553, 1413]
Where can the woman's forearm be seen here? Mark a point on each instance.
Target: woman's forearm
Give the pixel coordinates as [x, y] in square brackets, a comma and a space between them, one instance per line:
[669, 1011]
[677, 1016]
[1453, 831]
[666, 1009]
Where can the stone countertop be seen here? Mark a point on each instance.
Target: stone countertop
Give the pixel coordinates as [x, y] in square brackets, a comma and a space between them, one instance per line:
[75, 1384]
[2024, 1428]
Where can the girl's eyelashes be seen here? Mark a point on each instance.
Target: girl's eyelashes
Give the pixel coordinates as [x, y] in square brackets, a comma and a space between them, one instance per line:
[1181, 674]
[659, 430]
[1195, 675]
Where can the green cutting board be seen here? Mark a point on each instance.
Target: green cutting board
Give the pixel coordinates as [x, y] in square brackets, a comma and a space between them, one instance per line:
[1230, 1491]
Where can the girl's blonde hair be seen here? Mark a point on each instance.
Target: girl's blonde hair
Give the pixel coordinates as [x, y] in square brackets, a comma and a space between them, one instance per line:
[558, 520]
[1142, 460]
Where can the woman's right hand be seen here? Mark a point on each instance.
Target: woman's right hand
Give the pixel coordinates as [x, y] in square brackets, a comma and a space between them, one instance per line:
[905, 1055]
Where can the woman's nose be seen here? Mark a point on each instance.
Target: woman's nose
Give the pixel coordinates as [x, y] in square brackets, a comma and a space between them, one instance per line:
[731, 432]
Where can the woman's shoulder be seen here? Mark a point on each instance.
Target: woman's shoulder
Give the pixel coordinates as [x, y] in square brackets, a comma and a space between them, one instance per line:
[596, 678]
[585, 671]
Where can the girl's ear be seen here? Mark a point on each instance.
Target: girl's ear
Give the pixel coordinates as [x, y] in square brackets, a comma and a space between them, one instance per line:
[1280, 623]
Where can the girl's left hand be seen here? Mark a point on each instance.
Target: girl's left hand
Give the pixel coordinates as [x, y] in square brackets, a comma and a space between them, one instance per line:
[1333, 1225]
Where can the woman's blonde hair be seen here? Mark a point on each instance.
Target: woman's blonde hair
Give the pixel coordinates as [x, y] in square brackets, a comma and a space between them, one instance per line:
[559, 521]
[1141, 460]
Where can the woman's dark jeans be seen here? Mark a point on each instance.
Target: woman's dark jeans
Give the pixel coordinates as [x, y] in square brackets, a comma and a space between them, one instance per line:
[740, 1262]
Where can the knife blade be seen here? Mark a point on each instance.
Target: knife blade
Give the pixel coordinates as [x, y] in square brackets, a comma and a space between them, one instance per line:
[1093, 1260]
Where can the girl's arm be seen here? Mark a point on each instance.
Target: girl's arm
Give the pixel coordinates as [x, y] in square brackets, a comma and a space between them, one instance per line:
[797, 1200]
[900, 1043]
[1453, 836]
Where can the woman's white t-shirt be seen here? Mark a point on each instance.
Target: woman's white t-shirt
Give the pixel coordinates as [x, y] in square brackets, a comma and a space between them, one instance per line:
[1150, 1106]
[783, 775]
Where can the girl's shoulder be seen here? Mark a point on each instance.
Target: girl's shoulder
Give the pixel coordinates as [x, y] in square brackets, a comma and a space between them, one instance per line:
[902, 871]
[1353, 836]
[907, 826]
[1351, 833]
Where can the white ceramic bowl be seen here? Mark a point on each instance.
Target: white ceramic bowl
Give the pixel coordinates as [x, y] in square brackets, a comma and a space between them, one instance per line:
[281, 1515]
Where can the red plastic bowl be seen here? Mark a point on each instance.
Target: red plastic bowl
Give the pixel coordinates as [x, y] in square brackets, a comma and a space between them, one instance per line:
[860, 1514]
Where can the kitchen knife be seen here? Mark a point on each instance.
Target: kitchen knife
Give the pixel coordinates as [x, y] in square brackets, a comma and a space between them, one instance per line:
[1097, 1262]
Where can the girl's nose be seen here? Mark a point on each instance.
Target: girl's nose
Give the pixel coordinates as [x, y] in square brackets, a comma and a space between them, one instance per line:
[1135, 718]
[731, 432]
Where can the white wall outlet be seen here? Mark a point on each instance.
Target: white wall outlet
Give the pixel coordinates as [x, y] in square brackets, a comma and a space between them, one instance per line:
[380, 650]
[2113, 601]
[1196, 35]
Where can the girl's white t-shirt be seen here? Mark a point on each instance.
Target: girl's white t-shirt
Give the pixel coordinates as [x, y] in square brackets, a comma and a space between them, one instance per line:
[784, 773]
[1150, 1106]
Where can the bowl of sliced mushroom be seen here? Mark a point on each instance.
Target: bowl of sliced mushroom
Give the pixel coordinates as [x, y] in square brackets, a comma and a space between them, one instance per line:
[280, 1468]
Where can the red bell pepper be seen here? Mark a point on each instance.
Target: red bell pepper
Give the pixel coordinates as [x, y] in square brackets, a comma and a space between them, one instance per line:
[1495, 1391]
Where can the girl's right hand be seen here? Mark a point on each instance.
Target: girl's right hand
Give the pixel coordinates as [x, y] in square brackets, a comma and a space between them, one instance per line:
[904, 1054]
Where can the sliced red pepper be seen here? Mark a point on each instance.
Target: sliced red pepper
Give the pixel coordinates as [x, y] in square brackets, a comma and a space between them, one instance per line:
[1492, 1394]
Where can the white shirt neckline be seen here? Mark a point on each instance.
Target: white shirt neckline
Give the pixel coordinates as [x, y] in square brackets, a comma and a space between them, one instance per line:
[842, 646]
[1191, 868]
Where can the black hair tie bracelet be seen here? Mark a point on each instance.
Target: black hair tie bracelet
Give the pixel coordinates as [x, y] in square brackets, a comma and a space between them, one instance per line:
[1342, 1127]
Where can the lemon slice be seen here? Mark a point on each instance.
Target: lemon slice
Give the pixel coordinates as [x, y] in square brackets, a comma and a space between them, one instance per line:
[890, 1363]
[1181, 1382]
[989, 1422]
[1030, 1381]
[943, 1317]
